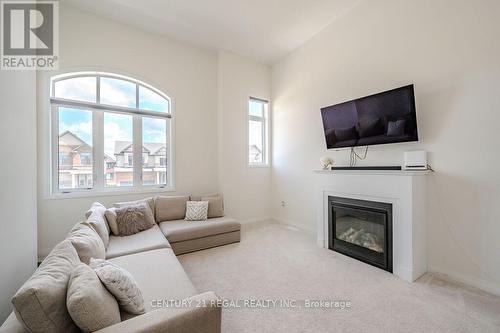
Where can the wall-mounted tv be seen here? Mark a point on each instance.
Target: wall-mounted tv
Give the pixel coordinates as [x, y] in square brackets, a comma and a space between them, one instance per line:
[386, 117]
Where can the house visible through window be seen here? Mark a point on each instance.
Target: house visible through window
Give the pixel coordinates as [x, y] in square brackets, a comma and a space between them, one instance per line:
[102, 122]
[258, 132]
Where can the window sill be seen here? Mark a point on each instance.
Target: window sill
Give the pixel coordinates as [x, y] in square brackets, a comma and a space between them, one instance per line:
[258, 166]
[107, 193]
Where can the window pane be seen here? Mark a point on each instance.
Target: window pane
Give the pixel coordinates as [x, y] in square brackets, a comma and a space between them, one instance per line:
[149, 100]
[255, 144]
[118, 92]
[256, 108]
[75, 149]
[118, 150]
[154, 157]
[78, 88]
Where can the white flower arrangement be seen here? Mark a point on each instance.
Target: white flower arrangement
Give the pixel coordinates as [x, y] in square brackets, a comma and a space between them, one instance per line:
[326, 162]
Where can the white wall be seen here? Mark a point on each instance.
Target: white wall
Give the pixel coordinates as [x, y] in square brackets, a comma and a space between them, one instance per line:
[187, 74]
[449, 49]
[246, 190]
[210, 93]
[18, 178]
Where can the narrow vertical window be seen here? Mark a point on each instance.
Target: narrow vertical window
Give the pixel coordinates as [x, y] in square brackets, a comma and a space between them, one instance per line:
[258, 132]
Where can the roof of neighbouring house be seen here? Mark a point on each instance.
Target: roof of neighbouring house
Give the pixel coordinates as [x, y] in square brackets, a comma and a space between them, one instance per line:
[151, 147]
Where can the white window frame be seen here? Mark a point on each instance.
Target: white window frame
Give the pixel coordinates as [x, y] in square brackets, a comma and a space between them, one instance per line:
[265, 133]
[98, 164]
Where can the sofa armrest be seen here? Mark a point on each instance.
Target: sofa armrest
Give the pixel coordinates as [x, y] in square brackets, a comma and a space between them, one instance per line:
[203, 319]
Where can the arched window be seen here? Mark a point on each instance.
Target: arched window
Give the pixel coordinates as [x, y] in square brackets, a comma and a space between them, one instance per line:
[109, 132]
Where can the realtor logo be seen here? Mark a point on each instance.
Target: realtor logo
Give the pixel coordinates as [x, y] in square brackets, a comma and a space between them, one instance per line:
[29, 34]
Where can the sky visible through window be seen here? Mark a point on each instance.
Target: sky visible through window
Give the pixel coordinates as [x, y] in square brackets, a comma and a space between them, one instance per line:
[113, 92]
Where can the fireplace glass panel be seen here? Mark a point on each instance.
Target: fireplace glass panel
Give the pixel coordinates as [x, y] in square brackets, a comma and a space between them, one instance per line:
[361, 227]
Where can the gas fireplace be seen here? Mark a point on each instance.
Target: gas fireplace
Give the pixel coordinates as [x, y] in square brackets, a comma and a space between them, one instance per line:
[362, 230]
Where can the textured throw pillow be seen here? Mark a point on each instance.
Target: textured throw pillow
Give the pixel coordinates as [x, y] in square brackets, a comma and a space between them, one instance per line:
[215, 204]
[96, 219]
[170, 208]
[196, 210]
[344, 134]
[396, 128]
[111, 218]
[40, 304]
[87, 242]
[89, 303]
[133, 219]
[120, 284]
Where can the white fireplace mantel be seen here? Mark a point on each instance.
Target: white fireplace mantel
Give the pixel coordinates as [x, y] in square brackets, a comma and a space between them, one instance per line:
[406, 191]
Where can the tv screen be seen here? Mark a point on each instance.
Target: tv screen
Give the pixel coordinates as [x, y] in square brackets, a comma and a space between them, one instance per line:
[387, 117]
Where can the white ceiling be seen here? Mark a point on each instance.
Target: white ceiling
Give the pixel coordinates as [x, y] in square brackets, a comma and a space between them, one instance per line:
[265, 30]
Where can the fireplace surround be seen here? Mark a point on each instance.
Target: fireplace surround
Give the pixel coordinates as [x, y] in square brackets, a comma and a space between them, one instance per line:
[361, 229]
[404, 190]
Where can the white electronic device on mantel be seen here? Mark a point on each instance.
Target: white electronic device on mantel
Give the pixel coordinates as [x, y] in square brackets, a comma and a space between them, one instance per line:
[415, 160]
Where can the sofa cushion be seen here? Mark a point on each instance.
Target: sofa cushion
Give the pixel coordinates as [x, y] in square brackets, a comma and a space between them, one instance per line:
[111, 218]
[40, 304]
[207, 242]
[96, 219]
[150, 201]
[89, 303]
[170, 208]
[12, 325]
[181, 230]
[87, 242]
[215, 204]
[121, 284]
[150, 239]
[159, 276]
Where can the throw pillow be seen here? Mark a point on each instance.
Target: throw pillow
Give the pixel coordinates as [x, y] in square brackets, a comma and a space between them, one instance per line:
[40, 304]
[344, 134]
[196, 210]
[396, 128]
[89, 303]
[133, 219]
[120, 284]
[87, 242]
[111, 218]
[215, 204]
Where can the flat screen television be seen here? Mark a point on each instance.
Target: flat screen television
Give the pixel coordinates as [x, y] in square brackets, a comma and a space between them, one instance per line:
[386, 117]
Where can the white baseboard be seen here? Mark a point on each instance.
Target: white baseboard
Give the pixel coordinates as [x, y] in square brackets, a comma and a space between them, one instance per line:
[294, 224]
[256, 220]
[491, 287]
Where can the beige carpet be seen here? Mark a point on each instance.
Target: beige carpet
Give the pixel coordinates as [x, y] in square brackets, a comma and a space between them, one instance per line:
[274, 261]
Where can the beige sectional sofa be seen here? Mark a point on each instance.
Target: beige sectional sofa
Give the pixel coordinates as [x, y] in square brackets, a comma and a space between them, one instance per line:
[149, 256]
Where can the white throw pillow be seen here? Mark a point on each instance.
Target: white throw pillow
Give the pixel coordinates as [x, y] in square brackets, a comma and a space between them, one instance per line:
[196, 210]
[120, 284]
